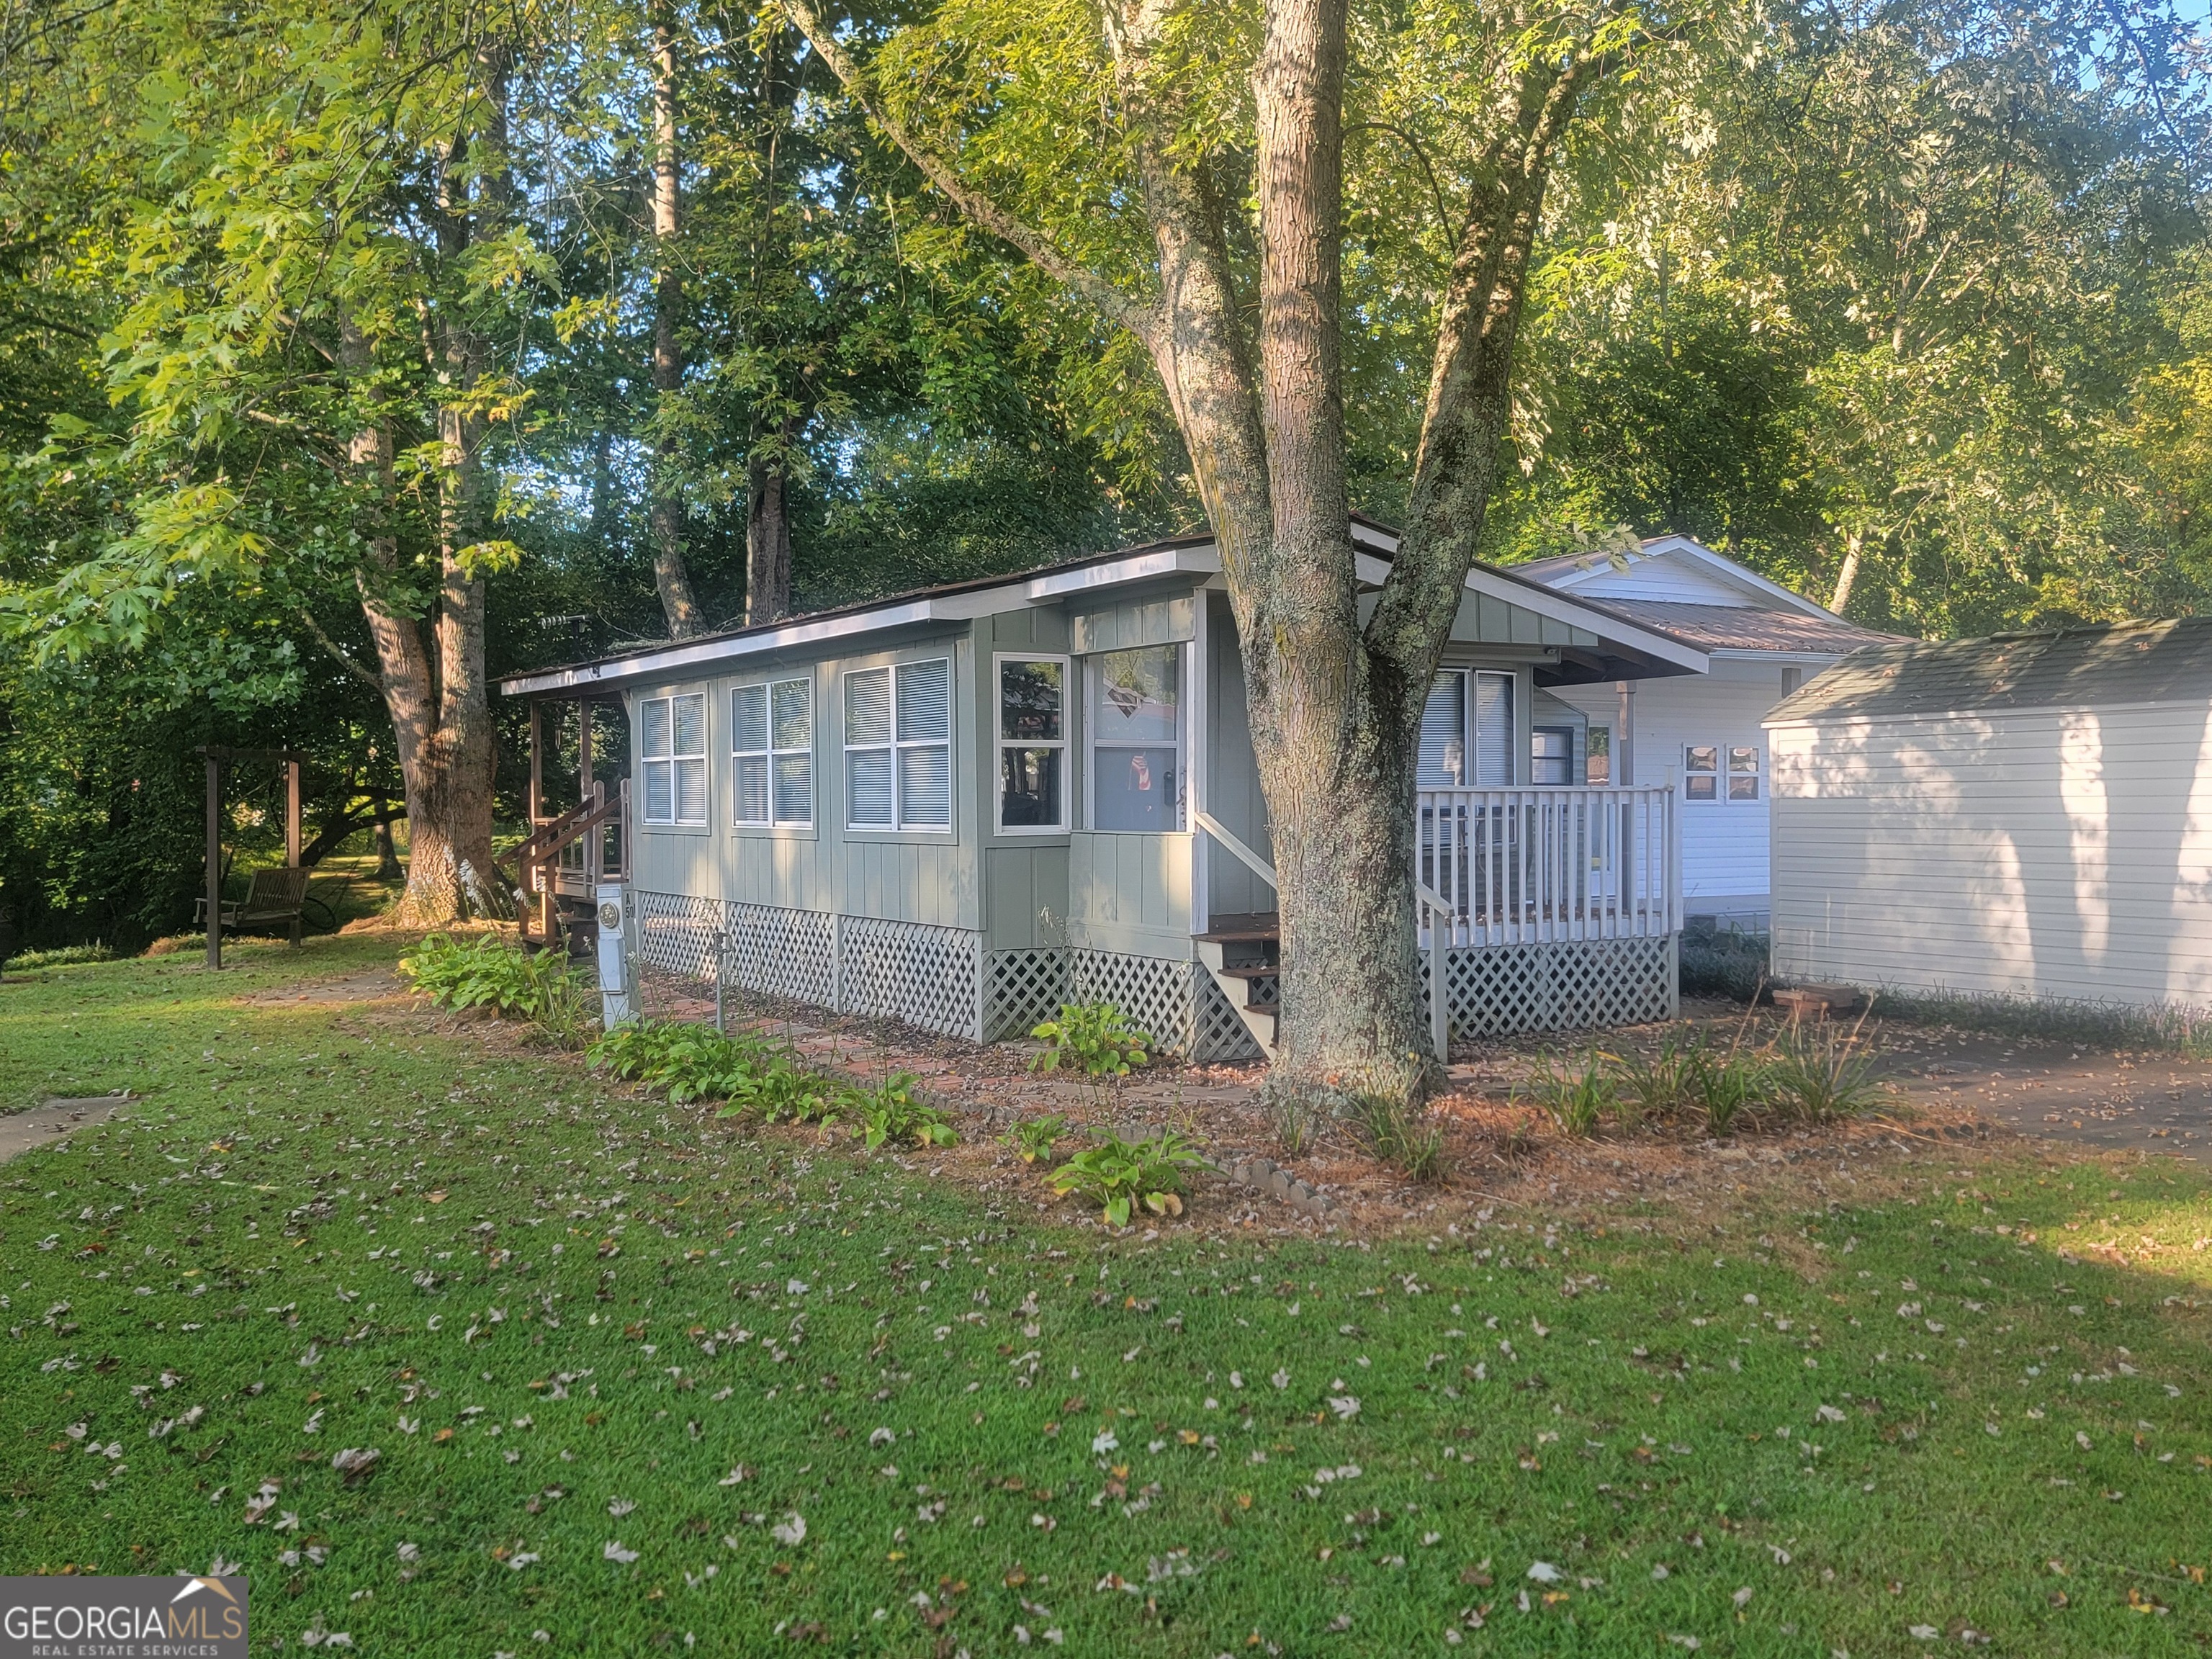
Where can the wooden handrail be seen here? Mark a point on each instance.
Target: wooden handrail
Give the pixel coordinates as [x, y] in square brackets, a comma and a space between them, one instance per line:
[584, 821]
[1251, 860]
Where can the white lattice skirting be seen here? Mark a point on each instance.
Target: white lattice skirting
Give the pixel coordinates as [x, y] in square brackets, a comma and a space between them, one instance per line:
[942, 979]
[922, 975]
[1499, 990]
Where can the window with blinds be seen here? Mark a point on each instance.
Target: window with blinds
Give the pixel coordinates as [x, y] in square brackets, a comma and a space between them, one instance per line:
[1468, 713]
[898, 746]
[672, 758]
[772, 753]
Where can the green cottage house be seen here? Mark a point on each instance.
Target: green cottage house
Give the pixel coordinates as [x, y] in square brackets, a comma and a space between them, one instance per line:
[959, 807]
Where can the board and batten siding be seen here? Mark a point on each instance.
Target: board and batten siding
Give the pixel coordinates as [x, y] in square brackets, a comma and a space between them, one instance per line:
[2050, 853]
[900, 876]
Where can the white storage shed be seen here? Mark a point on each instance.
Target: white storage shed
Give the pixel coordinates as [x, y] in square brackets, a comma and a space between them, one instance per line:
[2025, 815]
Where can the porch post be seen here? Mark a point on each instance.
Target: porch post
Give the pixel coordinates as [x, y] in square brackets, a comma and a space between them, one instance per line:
[292, 832]
[214, 862]
[1439, 991]
[1624, 742]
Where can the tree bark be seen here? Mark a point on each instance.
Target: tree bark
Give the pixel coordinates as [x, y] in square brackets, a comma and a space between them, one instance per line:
[670, 573]
[768, 542]
[1848, 576]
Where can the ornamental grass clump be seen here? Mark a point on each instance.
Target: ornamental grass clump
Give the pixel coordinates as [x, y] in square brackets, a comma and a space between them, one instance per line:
[1576, 1094]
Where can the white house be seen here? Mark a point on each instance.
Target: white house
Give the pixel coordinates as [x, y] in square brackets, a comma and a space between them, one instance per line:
[959, 807]
[2028, 815]
[1700, 732]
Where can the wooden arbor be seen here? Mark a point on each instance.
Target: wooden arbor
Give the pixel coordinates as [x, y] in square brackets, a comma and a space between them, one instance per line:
[268, 903]
[568, 852]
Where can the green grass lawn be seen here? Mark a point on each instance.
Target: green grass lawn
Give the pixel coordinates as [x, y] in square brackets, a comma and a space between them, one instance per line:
[612, 1355]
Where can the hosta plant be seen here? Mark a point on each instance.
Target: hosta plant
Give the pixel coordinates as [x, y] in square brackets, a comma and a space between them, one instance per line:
[491, 972]
[1121, 1176]
[888, 1112]
[691, 1062]
[1034, 1138]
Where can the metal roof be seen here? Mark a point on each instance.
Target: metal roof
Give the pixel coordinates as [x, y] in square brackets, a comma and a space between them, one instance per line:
[952, 601]
[2133, 662]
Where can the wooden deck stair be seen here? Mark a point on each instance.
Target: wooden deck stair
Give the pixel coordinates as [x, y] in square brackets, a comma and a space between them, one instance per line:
[1244, 955]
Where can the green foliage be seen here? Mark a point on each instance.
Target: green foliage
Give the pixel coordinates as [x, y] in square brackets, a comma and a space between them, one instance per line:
[1815, 1071]
[62, 957]
[1119, 1175]
[691, 1062]
[1034, 1138]
[488, 972]
[1092, 1037]
[1577, 1093]
[888, 1112]
[1296, 1120]
[1724, 963]
[1401, 1134]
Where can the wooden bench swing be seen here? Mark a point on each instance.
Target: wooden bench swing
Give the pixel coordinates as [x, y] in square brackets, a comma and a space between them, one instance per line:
[274, 898]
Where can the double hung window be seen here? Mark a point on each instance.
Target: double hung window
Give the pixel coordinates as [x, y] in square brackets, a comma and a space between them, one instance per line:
[673, 757]
[772, 753]
[898, 746]
[1032, 742]
[1468, 713]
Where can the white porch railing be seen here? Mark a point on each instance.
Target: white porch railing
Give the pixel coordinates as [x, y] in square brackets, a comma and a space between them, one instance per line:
[1530, 866]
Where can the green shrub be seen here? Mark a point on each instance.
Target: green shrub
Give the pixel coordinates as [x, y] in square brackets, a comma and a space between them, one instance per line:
[1577, 1095]
[491, 972]
[888, 1112]
[1034, 1138]
[64, 956]
[1726, 962]
[691, 1062]
[1092, 1037]
[1120, 1174]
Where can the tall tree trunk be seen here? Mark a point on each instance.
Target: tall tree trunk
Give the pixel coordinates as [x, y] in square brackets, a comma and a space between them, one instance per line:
[768, 467]
[670, 574]
[1333, 759]
[768, 542]
[1848, 576]
[387, 854]
[1334, 707]
[436, 690]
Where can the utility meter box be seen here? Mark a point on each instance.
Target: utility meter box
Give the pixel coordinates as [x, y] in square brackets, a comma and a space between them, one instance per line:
[616, 995]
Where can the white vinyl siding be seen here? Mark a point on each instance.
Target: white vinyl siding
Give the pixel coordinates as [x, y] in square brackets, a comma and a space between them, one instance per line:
[772, 753]
[673, 757]
[898, 746]
[2035, 853]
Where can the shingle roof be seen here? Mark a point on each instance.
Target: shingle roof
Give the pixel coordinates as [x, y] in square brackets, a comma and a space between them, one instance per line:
[2166, 661]
[1741, 628]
